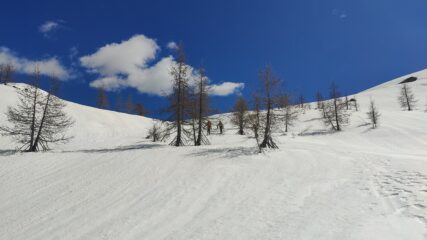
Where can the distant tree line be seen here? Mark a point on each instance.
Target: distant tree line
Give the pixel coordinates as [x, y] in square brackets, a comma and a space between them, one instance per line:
[38, 119]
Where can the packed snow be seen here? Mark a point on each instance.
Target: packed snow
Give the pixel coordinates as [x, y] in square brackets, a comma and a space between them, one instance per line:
[109, 182]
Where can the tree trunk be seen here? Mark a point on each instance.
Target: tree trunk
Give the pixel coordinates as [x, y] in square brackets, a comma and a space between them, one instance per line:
[337, 122]
[407, 98]
[36, 141]
[33, 120]
[178, 116]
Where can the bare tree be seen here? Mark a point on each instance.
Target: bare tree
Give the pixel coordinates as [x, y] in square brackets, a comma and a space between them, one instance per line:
[407, 98]
[130, 106]
[119, 104]
[179, 107]
[321, 104]
[140, 110]
[240, 112]
[102, 99]
[270, 92]
[373, 114]
[288, 113]
[54, 121]
[301, 101]
[347, 103]
[38, 119]
[355, 103]
[201, 103]
[334, 113]
[319, 100]
[155, 133]
[254, 119]
[6, 73]
[24, 116]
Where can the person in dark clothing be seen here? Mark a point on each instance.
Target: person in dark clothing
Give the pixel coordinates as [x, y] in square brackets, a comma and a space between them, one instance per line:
[221, 127]
[209, 127]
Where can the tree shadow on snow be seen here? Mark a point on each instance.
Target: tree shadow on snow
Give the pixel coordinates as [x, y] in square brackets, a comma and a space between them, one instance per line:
[7, 152]
[316, 133]
[231, 152]
[119, 149]
[313, 119]
[363, 124]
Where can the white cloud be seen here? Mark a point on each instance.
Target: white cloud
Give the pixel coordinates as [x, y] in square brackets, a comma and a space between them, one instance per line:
[49, 67]
[226, 88]
[131, 63]
[125, 57]
[126, 64]
[340, 13]
[49, 27]
[172, 45]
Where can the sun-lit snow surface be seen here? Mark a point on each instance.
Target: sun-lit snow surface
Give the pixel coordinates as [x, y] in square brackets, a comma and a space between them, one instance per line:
[111, 183]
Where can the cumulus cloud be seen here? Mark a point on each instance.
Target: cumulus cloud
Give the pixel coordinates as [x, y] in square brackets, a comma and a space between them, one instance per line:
[172, 45]
[49, 67]
[226, 88]
[132, 63]
[126, 64]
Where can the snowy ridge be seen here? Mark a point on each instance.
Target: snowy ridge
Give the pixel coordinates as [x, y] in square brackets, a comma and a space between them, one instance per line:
[111, 183]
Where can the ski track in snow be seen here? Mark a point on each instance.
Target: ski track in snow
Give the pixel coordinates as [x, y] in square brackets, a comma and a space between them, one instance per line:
[110, 183]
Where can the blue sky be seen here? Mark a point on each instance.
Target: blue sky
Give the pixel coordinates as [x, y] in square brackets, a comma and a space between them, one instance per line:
[309, 43]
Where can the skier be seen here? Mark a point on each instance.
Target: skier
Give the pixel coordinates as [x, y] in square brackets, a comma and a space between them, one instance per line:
[221, 126]
[209, 126]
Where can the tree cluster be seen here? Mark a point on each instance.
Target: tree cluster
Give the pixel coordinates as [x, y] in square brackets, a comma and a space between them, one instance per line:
[188, 104]
[6, 73]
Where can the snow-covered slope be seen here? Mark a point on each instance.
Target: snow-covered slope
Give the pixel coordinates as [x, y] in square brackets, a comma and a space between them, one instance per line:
[93, 127]
[111, 183]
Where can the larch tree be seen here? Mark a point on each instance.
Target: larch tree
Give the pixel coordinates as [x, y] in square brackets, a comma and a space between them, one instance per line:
[288, 113]
[240, 115]
[24, 117]
[319, 100]
[373, 114]
[334, 113]
[269, 93]
[118, 105]
[201, 103]
[155, 133]
[347, 103]
[6, 73]
[254, 119]
[102, 99]
[54, 121]
[130, 106]
[355, 103]
[180, 104]
[407, 98]
[139, 109]
[301, 101]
